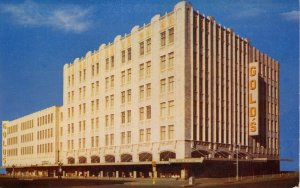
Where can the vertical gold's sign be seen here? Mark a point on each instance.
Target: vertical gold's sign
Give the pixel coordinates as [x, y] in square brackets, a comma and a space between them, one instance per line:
[253, 99]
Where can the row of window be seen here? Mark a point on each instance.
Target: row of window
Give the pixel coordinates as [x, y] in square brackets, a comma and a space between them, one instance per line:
[43, 120]
[164, 111]
[110, 82]
[272, 108]
[272, 91]
[126, 137]
[142, 91]
[82, 91]
[12, 129]
[163, 85]
[82, 108]
[145, 70]
[12, 141]
[71, 111]
[142, 137]
[45, 148]
[123, 58]
[94, 86]
[95, 70]
[166, 133]
[145, 47]
[44, 134]
[93, 104]
[95, 141]
[142, 113]
[109, 120]
[27, 137]
[163, 40]
[27, 150]
[81, 143]
[109, 63]
[148, 46]
[272, 143]
[71, 78]
[109, 139]
[71, 127]
[268, 72]
[109, 101]
[70, 145]
[273, 126]
[27, 125]
[123, 77]
[167, 129]
[12, 152]
[82, 76]
[164, 64]
[126, 115]
[95, 123]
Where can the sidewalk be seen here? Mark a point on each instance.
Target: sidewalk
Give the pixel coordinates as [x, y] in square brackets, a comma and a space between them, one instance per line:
[199, 182]
[171, 182]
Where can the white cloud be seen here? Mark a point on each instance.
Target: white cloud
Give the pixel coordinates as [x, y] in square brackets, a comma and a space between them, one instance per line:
[71, 18]
[292, 15]
[249, 13]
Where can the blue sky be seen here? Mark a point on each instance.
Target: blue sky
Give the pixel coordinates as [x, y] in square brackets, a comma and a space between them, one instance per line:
[38, 37]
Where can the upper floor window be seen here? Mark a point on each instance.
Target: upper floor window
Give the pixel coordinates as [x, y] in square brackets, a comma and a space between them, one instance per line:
[171, 60]
[162, 63]
[162, 86]
[148, 114]
[163, 38]
[141, 71]
[148, 68]
[171, 132]
[129, 54]
[128, 137]
[112, 62]
[162, 133]
[129, 95]
[128, 75]
[122, 117]
[148, 90]
[142, 113]
[148, 135]
[171, 84]
[97, 68]
[141, 135]
[93, 70]
[123, 77]
[84, 74]
[107, 64]
[122, 137]
[171, 35]
[123, 97]
[112, 81]
[148, 45]
[142, 48]
[142, 92]
[123, 56]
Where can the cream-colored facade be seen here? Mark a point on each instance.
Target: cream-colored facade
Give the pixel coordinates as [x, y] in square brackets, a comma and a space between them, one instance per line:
[32, 139]
[176, 88]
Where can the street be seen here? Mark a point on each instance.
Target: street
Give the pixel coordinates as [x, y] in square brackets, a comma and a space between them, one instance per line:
[283, 182]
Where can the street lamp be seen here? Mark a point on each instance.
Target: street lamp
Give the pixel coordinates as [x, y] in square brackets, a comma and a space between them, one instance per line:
[60, 169]
[13, 166]
[59, 166]
[237, 162]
